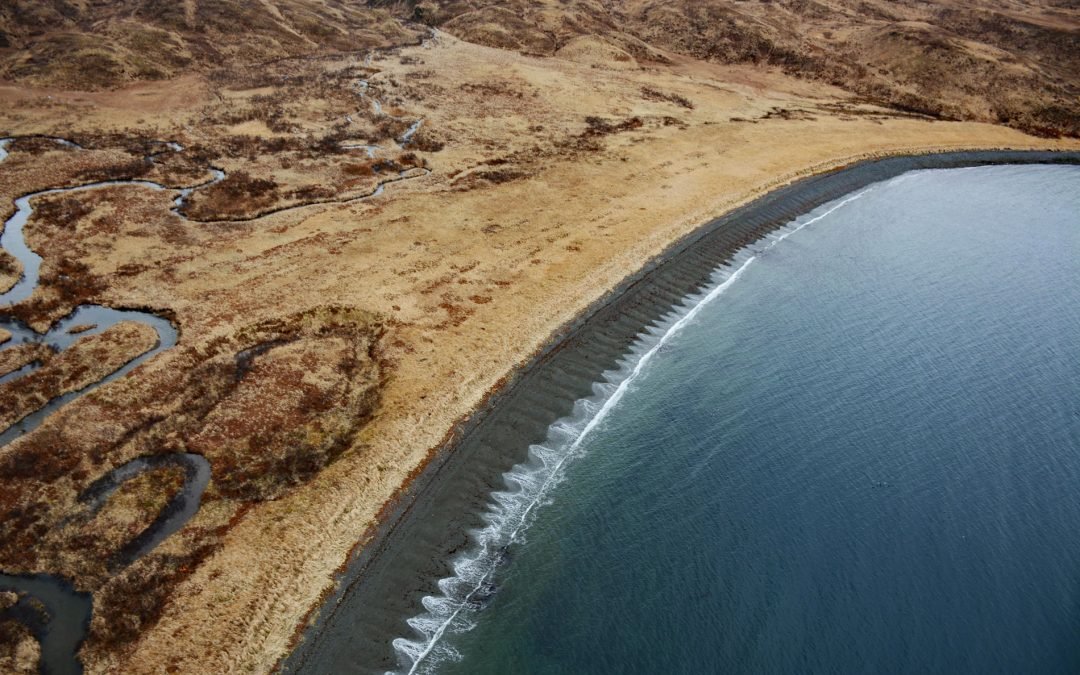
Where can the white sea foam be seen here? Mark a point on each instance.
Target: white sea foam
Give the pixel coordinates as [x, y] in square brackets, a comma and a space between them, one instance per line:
[528, 485]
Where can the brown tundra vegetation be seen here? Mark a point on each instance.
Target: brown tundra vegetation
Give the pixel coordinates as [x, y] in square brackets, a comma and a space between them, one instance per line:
[364, 216]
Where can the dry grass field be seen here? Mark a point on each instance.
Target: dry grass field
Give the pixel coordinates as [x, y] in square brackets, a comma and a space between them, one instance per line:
[341, 307]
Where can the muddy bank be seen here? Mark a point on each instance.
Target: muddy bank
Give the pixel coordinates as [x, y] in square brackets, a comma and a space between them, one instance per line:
[384, 582]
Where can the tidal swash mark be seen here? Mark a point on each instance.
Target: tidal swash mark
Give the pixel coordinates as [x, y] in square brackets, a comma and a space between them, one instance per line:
[510, 511]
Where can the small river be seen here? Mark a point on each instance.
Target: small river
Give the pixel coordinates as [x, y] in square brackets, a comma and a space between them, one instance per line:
[55, 612]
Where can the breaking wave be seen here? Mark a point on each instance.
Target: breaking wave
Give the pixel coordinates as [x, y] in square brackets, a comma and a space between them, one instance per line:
[528, 485]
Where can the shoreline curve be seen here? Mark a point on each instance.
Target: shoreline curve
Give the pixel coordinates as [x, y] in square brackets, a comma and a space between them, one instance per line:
[411, 545]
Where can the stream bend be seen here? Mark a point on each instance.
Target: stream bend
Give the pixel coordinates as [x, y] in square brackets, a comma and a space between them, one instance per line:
[56, 614]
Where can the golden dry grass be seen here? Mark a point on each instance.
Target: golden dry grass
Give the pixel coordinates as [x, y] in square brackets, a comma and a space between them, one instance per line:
[87, 361]
[327, 348]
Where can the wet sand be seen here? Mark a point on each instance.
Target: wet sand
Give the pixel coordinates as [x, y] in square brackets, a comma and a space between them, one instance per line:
[416, 538]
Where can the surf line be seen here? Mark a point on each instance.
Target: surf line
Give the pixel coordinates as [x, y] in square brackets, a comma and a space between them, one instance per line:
[500, 533]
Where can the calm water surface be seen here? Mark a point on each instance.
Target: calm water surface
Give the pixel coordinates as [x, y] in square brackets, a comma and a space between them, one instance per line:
[863, 456]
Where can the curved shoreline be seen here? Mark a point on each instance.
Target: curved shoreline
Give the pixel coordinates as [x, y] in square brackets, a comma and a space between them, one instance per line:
[410, 547]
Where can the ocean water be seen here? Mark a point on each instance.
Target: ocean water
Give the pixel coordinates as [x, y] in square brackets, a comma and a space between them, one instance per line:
[858, 452]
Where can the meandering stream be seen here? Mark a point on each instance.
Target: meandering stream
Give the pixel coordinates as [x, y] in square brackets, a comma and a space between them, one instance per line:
[362, 87]
[60, 337]
[173, 516]
[60, 621]
[52, 609]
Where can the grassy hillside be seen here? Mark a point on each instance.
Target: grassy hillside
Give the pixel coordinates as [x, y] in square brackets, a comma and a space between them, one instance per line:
[93, 44]
[1014, 63]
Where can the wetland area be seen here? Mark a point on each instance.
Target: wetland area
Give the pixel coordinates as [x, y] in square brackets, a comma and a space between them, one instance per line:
[303, 306]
